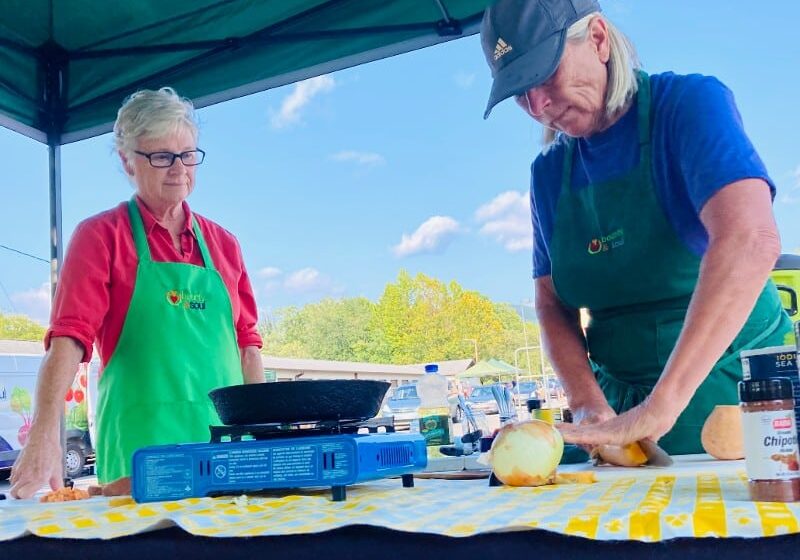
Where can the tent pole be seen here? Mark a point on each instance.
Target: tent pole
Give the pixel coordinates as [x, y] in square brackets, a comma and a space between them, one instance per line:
[56, 245]
[56, 248]
[54, 87]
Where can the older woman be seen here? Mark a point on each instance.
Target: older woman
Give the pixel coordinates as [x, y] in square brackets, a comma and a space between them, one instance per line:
[652, 210]
[164, 294]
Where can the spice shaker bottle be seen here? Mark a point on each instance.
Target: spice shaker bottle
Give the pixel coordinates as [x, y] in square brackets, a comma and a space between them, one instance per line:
[770, 439]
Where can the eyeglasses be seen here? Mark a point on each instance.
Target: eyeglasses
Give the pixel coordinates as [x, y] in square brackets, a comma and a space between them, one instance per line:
[166, 159]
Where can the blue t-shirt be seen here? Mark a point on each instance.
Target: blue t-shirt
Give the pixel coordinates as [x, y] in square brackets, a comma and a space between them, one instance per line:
[698, 145]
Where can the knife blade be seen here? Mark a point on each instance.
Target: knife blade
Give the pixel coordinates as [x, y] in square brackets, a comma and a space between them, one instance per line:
[656, 457]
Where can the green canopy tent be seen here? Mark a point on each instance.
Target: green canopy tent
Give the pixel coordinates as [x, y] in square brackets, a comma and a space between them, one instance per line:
[65, 67]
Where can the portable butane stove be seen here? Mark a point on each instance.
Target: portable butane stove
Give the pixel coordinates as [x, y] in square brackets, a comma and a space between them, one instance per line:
[256, 457]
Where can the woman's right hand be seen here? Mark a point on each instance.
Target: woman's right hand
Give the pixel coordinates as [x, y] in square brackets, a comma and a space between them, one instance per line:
[592, 413]
[40, 462]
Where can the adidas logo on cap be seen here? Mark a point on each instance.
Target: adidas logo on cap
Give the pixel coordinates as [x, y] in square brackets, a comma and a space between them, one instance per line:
[501, 48]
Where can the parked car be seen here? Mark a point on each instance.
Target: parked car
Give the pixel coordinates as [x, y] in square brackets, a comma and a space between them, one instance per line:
[17, 382]
[524, 391]
[482, 399]
[403, 406]
[79, 454]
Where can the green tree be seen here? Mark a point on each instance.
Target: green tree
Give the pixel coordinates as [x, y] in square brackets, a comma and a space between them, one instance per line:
[416, 319]
[20, 327]
[329, 330]
[424, 319]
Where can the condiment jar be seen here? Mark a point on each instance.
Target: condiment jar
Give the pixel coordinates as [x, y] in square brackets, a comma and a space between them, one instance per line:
[770, 439]
[538, 413]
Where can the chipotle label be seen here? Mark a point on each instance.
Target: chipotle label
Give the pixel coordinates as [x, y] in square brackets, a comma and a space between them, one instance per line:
[770, 445]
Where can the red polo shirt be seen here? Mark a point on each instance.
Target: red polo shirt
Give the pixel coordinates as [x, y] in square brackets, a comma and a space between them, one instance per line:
[96, 282]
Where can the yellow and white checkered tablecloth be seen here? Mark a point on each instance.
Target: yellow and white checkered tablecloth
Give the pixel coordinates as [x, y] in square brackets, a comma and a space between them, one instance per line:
[695, 499]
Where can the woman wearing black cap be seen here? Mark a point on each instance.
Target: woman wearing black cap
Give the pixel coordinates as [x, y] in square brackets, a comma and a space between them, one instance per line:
[652, 210]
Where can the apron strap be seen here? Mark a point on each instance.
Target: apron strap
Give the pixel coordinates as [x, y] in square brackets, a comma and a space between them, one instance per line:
[566, 173]
[201, 242]
[643, 107]
[139, 237]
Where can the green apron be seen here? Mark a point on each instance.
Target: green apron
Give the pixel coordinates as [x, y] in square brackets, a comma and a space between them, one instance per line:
[615, 253]
[178, 343]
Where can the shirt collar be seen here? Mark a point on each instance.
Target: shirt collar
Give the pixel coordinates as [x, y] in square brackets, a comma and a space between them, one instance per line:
[149, 221]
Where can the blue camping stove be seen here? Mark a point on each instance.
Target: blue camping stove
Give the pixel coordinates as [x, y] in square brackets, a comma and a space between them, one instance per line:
[258, 457]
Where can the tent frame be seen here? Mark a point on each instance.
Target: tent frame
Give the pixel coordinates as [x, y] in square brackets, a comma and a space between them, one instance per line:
[52, 62]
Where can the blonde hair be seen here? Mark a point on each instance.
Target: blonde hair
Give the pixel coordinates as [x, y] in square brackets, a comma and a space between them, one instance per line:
[152, 114]
[623, 62]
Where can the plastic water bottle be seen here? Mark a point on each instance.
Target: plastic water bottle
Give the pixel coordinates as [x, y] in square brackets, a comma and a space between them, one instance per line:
[434, 408]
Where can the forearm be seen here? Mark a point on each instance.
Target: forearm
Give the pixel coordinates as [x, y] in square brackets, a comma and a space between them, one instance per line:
[55, 377]
[252, 365]
[732, 275]
[565, 346]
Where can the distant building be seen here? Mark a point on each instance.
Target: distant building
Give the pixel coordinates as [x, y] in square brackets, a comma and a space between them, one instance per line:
[288, 369]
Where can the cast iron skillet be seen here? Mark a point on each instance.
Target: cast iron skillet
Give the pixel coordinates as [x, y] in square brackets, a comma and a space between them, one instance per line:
[299, 401]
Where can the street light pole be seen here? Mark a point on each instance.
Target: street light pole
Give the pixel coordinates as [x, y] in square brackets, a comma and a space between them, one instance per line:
[525, 334]
[475, 344]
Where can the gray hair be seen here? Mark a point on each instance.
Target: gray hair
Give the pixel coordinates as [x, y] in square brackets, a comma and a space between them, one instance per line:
[152, 114]
[622, 65]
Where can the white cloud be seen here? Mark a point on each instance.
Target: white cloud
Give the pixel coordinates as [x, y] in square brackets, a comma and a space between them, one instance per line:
[269, 272]
[361, 158]
[432, 236]
[302, 94]
[617, 8]
[306, 280]
[35, 303]
[464, 80]
[507, 220]
[792, 194]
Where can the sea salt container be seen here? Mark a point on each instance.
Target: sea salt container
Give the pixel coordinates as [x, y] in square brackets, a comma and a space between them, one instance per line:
[773, 362]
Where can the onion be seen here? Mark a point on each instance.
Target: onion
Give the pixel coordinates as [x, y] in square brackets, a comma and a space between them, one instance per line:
[526, 453]
[630, 455]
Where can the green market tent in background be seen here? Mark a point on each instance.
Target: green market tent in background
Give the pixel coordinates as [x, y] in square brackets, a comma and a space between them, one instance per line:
[66, 65]
[505, 366]
[490, 368]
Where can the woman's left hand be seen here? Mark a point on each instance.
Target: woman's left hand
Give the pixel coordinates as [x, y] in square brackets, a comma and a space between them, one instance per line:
[649, 420]
[120, 487]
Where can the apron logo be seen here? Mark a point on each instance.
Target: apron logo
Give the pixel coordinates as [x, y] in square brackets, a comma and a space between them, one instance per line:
[173, 297]
[607, 242]
[186, 300]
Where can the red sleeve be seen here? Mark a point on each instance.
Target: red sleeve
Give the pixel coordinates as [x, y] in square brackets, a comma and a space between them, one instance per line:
[247, 321]
[83, 290]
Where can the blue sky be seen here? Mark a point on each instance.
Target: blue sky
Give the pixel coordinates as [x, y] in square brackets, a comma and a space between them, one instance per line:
[334, 184]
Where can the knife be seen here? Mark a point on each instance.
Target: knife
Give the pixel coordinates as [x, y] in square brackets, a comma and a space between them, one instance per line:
[656, 457]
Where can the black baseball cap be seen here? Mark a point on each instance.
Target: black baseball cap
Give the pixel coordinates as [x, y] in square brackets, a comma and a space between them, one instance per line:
[523, 41]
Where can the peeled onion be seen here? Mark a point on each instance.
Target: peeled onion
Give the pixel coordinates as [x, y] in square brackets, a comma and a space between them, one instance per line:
[526, 453]
[630, 455]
